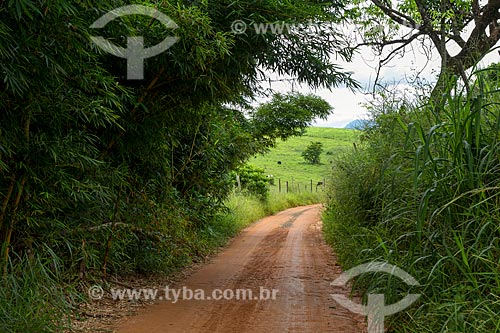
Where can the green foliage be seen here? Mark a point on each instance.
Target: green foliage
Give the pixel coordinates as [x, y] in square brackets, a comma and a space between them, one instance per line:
[253, 180]
[422, 193]
[110, 175]
[313, 152]
[288, 115]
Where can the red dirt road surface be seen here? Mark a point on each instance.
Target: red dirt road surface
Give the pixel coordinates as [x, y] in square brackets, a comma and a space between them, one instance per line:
[285, 252]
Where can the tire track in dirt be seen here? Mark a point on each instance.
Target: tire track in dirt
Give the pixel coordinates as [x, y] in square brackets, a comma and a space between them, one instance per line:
[284, 252]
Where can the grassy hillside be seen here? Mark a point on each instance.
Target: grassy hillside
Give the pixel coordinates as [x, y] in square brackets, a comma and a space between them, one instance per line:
[293, 167]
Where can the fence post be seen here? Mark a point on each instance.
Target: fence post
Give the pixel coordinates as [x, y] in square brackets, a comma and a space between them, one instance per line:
[287, 186]
[279, 185]
[311, 185]
[238, 182]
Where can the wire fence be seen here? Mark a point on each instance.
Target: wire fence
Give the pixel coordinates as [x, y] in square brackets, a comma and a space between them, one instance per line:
[285, 186]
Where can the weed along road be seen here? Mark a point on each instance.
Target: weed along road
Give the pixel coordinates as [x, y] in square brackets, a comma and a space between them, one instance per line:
[280, 268]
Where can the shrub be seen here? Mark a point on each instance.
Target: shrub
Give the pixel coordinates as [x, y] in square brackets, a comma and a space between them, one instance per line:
[253, 181]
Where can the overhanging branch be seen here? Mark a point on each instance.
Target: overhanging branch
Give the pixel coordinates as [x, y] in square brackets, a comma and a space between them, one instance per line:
[390, 42]
[396, 15]
[399, 48]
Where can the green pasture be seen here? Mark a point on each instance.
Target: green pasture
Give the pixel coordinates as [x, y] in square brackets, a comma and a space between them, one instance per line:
[294, 168]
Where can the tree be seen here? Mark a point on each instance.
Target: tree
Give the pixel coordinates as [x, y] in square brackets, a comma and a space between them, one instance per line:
[82, 149]
[99, 173]
[469, 26]
[287, 115]
[313, 152]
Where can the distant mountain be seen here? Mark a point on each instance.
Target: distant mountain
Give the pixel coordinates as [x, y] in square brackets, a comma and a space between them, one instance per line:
[358, 124]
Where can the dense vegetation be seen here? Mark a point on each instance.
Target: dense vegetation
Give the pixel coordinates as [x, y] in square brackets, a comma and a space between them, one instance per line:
[422, 193]
[101, 175]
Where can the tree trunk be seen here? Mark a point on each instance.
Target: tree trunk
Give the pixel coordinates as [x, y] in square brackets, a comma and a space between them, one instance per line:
[10, 229]
[441, 91]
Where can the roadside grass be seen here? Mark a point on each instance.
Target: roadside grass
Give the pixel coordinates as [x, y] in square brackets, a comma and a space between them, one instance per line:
[243, 210]
[32, 298]
[422, 193]
[293, 167]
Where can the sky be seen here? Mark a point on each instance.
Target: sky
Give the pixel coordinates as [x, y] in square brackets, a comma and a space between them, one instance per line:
[348, 105]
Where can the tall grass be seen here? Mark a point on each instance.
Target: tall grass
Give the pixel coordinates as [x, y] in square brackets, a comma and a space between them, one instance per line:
[423, 194]
[245, 209]
[32, 300]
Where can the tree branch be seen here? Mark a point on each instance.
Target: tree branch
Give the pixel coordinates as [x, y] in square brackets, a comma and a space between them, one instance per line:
[428, 29]
[397, 16]
[399, 48]
[390, 42]
[389, 57]
[458, 39]
[479, 42]
[476, 10]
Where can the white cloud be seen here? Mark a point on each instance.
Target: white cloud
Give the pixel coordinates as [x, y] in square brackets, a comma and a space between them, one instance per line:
[348, 105]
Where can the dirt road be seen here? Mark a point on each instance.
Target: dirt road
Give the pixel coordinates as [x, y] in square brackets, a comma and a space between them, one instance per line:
[285, 252]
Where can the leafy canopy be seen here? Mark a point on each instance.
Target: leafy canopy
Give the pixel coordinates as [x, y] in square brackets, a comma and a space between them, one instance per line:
[288, 115]
[87, 157]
